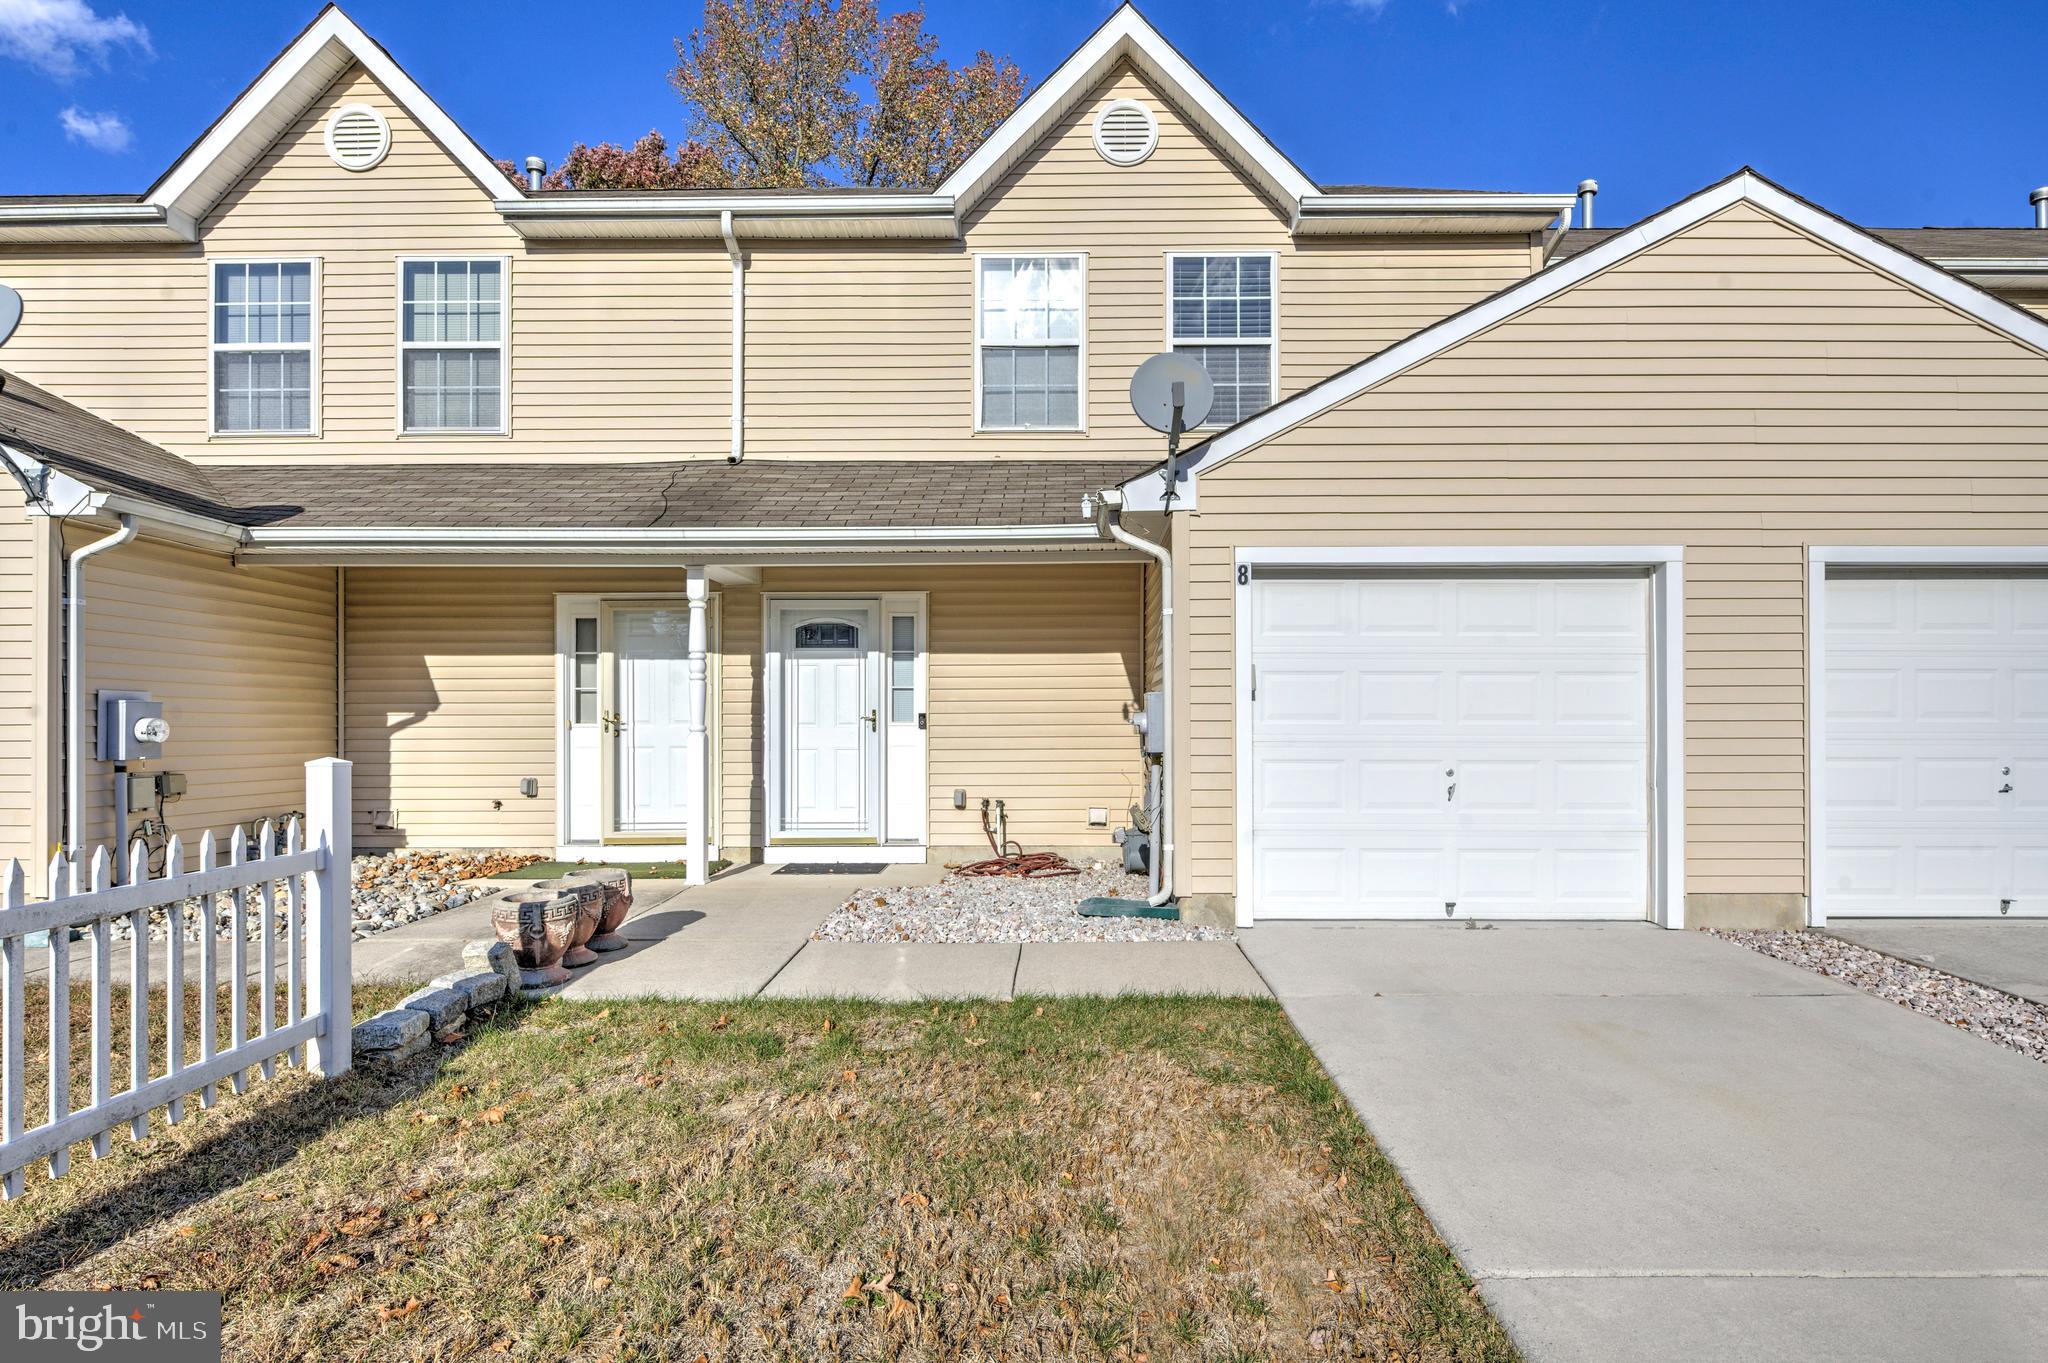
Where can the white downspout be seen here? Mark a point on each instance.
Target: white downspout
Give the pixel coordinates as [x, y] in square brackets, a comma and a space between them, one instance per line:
[739, 335]
[74, 647]
[1162, 816]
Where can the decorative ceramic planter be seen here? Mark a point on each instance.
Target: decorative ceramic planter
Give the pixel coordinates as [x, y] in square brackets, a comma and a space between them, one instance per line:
[617, 884]
[538, 925]
[589, 900]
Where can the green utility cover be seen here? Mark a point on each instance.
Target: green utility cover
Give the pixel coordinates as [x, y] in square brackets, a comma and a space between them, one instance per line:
[1101, 906]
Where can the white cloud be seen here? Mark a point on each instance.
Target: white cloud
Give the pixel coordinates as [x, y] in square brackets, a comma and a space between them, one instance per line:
[62, 36]
[107, 132]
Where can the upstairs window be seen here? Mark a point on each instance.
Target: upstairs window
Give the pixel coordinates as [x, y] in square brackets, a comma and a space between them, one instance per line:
[1220, 314]
[1028, 343]
[451, 345]
[262, 347]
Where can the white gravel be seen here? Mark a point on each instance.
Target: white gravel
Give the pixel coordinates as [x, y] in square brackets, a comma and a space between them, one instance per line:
[390, 890]
[1990, 1013]
[1002, 909]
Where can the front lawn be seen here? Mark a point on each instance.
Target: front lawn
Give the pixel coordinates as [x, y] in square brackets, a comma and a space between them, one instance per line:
[1130, 1180]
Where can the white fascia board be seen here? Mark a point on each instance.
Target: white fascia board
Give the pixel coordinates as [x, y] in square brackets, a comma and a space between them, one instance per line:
[1744, 186]
[1124, 33]
[463, 539]
[332, 27]
[1437, 203]
[175, 225]
[1988, 265]
[67, 498]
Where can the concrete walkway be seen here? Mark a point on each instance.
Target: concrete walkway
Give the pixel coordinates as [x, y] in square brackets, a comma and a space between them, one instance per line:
[1655, 1146]
[2005, 953]
[748, 933]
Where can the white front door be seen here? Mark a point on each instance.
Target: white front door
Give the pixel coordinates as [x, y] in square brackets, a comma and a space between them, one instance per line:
[1470, 747]
[831, 722]
[1937, 746]
[649, 715]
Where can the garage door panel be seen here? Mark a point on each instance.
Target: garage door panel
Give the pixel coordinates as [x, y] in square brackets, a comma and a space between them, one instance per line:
[1937, 734]
[1493, 735]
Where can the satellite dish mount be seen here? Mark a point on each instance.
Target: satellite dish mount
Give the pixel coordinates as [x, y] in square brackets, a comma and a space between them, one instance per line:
[1172, 393]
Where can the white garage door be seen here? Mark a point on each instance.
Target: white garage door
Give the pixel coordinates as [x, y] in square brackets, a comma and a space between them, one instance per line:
[1936, 746]
[1475, 747]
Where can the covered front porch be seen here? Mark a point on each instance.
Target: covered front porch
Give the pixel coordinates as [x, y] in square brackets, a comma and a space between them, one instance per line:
[853, 712]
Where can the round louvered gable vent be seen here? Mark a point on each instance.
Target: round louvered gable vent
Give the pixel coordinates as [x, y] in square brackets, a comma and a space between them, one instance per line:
[1126, 133]
[357, 137]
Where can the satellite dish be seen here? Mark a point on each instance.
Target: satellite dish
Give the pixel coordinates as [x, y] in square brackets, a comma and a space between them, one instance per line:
[1152, 393]
[10, 312]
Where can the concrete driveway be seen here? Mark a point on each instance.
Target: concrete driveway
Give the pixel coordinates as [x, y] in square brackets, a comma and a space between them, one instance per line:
[2008, 954]
[1652, 1145]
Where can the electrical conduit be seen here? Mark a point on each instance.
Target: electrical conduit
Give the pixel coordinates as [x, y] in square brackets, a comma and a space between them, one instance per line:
[1162, 821]
[74, 641]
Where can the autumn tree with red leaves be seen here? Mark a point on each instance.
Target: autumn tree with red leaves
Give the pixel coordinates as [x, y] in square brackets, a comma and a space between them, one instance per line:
[797, 94]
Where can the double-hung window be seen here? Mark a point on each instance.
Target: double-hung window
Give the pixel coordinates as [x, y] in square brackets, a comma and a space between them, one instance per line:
[1028, 340]
[1220, 314]
[263, 335]
[451, 345]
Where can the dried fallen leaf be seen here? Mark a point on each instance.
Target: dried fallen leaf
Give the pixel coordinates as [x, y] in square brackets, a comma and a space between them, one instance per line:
[491, 1116]
[271, 1197]
[603, 1013]
[649, 1081]
[724, 1021]
[369, 1220]
[853, 1289]
[186, 1232]
[412, 1304]
[972, 1022]
[413, 1194]
[551, 1241]
[913, 1200]
[849, 1076]
[429, 1218]
[899, 1307]
[339, 1263]
[315, 1240]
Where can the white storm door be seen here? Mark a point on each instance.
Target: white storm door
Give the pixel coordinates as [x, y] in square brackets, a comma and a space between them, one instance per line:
[832, 723]
[1473, 746]
[1937, 746]
[648, 648]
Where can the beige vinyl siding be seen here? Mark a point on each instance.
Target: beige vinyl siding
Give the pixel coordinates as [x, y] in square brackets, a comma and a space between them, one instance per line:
[451, 698]
[27, 645]
[1741, 389]
[451, 695]
[1032, 669]
[623, 350]
[242, 659]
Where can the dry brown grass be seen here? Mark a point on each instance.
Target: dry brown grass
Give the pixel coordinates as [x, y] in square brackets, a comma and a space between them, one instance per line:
[1131, 1179]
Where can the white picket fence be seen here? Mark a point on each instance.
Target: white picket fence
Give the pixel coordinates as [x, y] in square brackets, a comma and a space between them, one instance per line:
[312, 867]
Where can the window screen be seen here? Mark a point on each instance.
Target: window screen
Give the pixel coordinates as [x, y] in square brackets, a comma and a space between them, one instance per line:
[1221, 316]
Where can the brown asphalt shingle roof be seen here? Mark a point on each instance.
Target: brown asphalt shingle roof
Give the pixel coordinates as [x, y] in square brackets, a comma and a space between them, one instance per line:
[697, 494]
[97, 452]
[692, 494]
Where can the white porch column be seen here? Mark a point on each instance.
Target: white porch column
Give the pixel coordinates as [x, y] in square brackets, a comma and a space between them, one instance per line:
[696, 759]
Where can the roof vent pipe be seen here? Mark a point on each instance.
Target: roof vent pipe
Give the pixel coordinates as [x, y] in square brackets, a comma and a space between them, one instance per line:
[1587, 189]
[2039, 199]
[536, 172]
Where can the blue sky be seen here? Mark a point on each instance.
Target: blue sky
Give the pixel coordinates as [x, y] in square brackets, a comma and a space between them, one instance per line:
[1890, 113]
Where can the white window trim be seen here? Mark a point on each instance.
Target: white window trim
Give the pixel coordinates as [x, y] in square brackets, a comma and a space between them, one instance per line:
[1081, 397]
[215, 347]
[1272, 341]
[1666, 565]
[1819, 558]
[401, 345]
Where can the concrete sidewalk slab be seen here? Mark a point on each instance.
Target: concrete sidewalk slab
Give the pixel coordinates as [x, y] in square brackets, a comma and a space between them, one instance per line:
[1635, 1139]
[2005, 953]
[684, 967]
[908, 971]
[1111, 968]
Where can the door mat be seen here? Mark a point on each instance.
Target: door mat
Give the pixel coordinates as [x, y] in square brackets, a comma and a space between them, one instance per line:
[832, 868]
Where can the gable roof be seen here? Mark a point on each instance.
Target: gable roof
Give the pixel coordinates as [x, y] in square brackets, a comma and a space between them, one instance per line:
[1144, 493]
[171, 208]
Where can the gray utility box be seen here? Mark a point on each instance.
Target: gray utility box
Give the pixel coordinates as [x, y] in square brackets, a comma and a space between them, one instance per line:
[132, 728]
[1150, 722]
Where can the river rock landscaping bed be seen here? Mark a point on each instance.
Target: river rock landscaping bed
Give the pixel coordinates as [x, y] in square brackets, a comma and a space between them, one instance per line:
[1991, 1013]
[1003, 909]
[390, 890]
